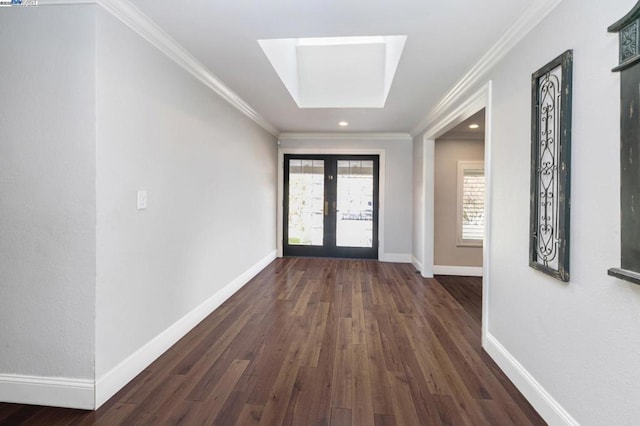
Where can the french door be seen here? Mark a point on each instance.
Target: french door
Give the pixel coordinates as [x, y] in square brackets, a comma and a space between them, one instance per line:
[331, 206]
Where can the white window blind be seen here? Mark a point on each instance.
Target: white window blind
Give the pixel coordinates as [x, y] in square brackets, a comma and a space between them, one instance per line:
[471, 192]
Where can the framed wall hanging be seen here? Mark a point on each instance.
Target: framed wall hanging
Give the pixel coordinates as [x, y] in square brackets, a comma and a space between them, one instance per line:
[629, 68]
[551, 93]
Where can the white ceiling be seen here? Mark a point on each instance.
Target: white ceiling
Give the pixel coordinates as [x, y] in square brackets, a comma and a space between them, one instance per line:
[444, 40]
[463, 132]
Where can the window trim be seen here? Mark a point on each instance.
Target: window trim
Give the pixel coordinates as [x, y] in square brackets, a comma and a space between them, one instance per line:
[462, 166]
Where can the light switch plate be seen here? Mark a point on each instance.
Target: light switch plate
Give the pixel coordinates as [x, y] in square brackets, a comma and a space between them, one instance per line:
[142, 199]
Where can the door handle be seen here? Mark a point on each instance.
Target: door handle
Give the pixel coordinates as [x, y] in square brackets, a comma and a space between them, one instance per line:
[326, 208]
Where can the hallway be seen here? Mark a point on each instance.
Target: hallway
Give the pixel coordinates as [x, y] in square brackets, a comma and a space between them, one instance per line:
[321, 341]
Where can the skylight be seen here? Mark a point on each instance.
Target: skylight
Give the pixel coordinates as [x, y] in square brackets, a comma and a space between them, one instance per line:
[336, 72]
[334, 41]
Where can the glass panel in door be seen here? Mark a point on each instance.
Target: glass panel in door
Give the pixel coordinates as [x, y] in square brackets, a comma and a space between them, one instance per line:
[355, 203]
[306, 202]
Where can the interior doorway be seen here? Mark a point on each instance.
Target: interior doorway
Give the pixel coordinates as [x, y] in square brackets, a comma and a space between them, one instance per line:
[459, 198]
[446, 119]
[331, 205]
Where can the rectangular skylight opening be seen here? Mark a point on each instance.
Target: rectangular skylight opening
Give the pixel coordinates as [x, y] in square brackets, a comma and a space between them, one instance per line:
[339, 41]
[336, 72]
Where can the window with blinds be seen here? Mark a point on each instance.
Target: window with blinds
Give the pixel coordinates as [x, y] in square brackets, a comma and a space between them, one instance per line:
[471, 189]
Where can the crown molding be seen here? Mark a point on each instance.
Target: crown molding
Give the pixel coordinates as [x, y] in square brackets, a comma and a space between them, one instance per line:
[132, 17]
[521, 27]
[399, 137]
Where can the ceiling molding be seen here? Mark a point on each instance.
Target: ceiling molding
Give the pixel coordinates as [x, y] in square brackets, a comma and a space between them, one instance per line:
[465, 109]
[521, 27]
[400, 137]
[141, 24]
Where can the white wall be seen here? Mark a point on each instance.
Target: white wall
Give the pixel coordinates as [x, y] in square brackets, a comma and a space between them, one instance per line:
[576, 344]
[397, 244]
[91, 114]
[210, 174]
[418, 204]
[47, 192]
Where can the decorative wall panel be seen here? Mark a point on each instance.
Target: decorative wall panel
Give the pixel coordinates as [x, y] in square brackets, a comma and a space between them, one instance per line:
[550, 167]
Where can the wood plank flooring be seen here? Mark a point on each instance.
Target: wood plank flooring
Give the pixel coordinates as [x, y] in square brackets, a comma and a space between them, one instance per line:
[321, 342]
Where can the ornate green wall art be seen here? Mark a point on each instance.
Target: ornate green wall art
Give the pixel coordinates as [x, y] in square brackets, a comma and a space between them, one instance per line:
[551, 93]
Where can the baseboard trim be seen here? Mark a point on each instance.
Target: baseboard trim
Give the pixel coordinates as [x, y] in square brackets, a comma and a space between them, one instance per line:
[51, 391]
[550, 410]
[396, 257]
[463, 271]
[416, 264]
[120, 375]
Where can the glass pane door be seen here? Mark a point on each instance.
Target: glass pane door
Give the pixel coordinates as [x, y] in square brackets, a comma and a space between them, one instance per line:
[354, 226]
[306, 202]
[331, 206]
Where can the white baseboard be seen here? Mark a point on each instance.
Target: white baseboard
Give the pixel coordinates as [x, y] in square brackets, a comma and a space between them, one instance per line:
[395, 257]
[463, 271]
[550, 410]
[417, 264]
[120, 375]
[420, 268]
[53, 391]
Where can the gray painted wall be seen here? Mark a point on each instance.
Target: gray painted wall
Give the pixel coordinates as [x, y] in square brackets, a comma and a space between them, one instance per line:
[447, 154]
[210, 174]
[47, 187]
[578, 340]
[418, 203]
[398, 184]
[92, 114]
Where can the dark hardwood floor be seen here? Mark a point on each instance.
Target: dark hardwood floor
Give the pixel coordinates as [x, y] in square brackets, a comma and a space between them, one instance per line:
[319, 342]
[467, 291]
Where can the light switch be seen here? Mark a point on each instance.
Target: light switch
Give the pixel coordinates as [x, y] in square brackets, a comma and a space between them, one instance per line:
[142, 199]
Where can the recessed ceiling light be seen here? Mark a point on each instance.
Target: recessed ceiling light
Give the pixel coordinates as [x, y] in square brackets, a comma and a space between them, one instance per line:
[343, 124]
[473, 126]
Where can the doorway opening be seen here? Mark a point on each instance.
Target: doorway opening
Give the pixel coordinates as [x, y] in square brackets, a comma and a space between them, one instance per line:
[331, 205]
[459, 199]
[458, 111]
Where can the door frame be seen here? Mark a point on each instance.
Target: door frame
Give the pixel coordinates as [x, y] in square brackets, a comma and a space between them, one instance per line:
[330, 248]
[332, 151]
[442, 123]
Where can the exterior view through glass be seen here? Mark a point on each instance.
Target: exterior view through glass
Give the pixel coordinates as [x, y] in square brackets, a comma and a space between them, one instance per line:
[306, 202]
[354, 219]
